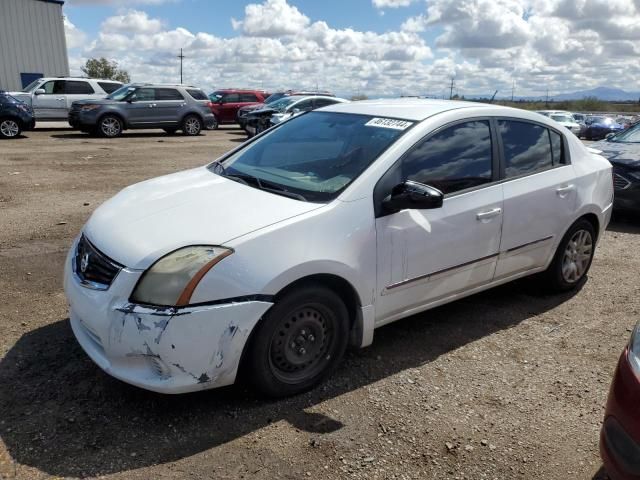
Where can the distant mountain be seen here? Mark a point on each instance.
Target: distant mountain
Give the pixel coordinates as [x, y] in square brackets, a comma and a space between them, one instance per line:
[601, 93]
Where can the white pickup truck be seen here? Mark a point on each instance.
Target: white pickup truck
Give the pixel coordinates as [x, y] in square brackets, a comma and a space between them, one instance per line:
[51, 98]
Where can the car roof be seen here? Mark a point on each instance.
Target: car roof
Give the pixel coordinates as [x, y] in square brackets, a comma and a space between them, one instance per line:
[416, 109]
[80, 78]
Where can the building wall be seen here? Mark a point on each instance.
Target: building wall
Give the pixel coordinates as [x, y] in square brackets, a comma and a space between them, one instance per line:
[31, 41]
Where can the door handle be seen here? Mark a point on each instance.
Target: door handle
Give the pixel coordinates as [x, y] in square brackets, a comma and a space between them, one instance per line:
[151, 105]
[564, 191]
[60, 98]
[481, 216]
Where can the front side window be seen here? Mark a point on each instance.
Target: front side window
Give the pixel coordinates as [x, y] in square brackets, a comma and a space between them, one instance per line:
[54, 87]
[144, 95]
[168, 94]
[75, 87]
[454, 159]
[231, 98]
[315, 155]
[527, 147]
[304, 106]
[121, 93]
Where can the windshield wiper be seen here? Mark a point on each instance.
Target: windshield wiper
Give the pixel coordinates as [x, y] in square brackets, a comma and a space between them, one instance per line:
[261, 184]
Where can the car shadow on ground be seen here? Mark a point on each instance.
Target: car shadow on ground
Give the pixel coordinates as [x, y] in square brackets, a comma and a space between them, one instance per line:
[126, 134]
[627, 223]
[60, 414]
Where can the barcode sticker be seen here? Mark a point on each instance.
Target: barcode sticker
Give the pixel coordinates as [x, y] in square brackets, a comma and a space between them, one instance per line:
[389, 123]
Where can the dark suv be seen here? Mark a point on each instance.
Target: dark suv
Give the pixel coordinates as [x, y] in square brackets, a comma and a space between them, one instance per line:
[226, 103]
[15, 116]
[169, 107]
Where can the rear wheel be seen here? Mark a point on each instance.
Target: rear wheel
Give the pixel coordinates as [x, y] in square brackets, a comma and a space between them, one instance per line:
[192, 125]
[299, 341]
[9, 128]
[110, 126]
[573, 258]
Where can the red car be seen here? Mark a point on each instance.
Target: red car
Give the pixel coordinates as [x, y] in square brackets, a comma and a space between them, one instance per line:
[225, 103]
[620, 435]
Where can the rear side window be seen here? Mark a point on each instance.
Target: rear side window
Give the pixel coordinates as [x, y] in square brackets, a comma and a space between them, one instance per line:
[75, 87]
[527, 147]
[557, 148]
[109, 87]
[248, 97]
[454, 159]
[323, 102]
[197, 94]
[168, 94]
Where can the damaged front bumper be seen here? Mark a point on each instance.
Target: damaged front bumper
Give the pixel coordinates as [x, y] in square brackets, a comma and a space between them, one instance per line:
[166, 350]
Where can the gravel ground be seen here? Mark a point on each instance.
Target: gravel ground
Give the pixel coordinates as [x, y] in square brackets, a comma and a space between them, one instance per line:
[506, 384]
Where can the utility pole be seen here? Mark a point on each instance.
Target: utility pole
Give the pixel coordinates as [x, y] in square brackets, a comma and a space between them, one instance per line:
[451, 89]
[181, 57]
[547, 98]
[513, 87]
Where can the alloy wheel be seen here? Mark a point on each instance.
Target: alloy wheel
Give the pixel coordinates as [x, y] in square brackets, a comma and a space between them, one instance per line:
[9, 128]
[110, 127]
[577, 256]
[192, 126]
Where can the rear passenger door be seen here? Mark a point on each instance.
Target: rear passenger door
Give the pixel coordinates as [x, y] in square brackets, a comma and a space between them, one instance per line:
[539, 194]
[169, 102]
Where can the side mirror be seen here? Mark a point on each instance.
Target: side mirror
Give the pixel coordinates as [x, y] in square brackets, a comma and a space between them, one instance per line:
[296, 110]
[412, 195]
[40, 91]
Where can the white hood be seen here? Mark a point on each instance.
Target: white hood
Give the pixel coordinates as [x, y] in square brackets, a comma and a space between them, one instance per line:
[196, 207]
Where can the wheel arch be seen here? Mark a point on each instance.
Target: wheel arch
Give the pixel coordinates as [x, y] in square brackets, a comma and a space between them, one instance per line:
[190, 113]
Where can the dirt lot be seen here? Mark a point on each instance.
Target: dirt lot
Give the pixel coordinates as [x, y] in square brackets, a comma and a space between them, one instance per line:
[506, 384]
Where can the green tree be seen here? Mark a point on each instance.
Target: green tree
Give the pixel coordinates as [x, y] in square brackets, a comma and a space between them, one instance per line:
[103, 68]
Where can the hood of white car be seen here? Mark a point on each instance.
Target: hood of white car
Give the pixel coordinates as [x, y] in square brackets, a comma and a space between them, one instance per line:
[196, 207]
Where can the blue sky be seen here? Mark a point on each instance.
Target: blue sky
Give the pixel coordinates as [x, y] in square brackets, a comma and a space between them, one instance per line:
[376, 47]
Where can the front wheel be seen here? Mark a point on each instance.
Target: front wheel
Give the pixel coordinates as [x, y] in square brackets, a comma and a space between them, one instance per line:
[299, 342]
[573, 258]
[192, 125]
[9, 128]
[110, 126]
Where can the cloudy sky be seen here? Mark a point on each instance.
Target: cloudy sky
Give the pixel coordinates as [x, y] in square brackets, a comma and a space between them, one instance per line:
[375, 47]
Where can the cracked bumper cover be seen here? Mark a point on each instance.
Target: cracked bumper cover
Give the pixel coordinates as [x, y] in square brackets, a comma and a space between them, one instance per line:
[164, 350]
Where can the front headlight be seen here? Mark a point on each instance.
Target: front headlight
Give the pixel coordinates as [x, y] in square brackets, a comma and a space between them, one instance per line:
[172, 279]
[634, 349]
[87, 108]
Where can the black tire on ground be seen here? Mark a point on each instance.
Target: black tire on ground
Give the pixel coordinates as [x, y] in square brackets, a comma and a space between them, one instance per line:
[191, 125]
[110, 126]
[298, 342]
[170, 131]
[572, 259]
[10, 127]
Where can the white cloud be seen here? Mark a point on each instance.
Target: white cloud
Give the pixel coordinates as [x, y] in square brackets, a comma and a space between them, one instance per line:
[74, 36]
[562, 45]
[392, 3]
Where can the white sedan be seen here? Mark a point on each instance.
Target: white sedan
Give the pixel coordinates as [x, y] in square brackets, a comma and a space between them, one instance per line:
[270, 261]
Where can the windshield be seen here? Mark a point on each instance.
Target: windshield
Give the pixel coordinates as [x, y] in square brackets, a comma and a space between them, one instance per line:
[282, 104]
[31, 86]
[562, 118]
[121, 93]
[314, 156]
[632, 135]
[604, 120]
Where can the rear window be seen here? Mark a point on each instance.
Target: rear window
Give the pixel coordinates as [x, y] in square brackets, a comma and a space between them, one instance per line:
[197, 94]
[109, 87]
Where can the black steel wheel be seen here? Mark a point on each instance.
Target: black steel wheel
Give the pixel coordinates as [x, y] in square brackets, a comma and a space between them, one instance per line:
[298, 343]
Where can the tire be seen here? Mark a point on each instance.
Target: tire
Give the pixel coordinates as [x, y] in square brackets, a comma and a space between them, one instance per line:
[110, 126]
[170, 131]
[10, 128]
[298, 342]
[191, 125]
[572, 259]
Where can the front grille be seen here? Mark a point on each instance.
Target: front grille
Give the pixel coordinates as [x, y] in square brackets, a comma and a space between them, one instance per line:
[94, 268]
[619, 182]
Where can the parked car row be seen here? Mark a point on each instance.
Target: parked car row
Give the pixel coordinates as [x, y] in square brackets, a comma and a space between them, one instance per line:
[589, 127]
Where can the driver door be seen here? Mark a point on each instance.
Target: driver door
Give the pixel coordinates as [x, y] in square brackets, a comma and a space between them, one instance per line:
[51, 104]
[429, 255]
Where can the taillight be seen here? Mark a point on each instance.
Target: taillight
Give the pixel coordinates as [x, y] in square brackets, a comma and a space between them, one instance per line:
[210, 105]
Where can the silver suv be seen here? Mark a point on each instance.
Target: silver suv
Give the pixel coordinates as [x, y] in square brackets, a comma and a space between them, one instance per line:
[51, 98]
[169, 107]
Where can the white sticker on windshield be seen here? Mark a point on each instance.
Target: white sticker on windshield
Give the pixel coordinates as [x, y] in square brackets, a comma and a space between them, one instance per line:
[389, 123]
